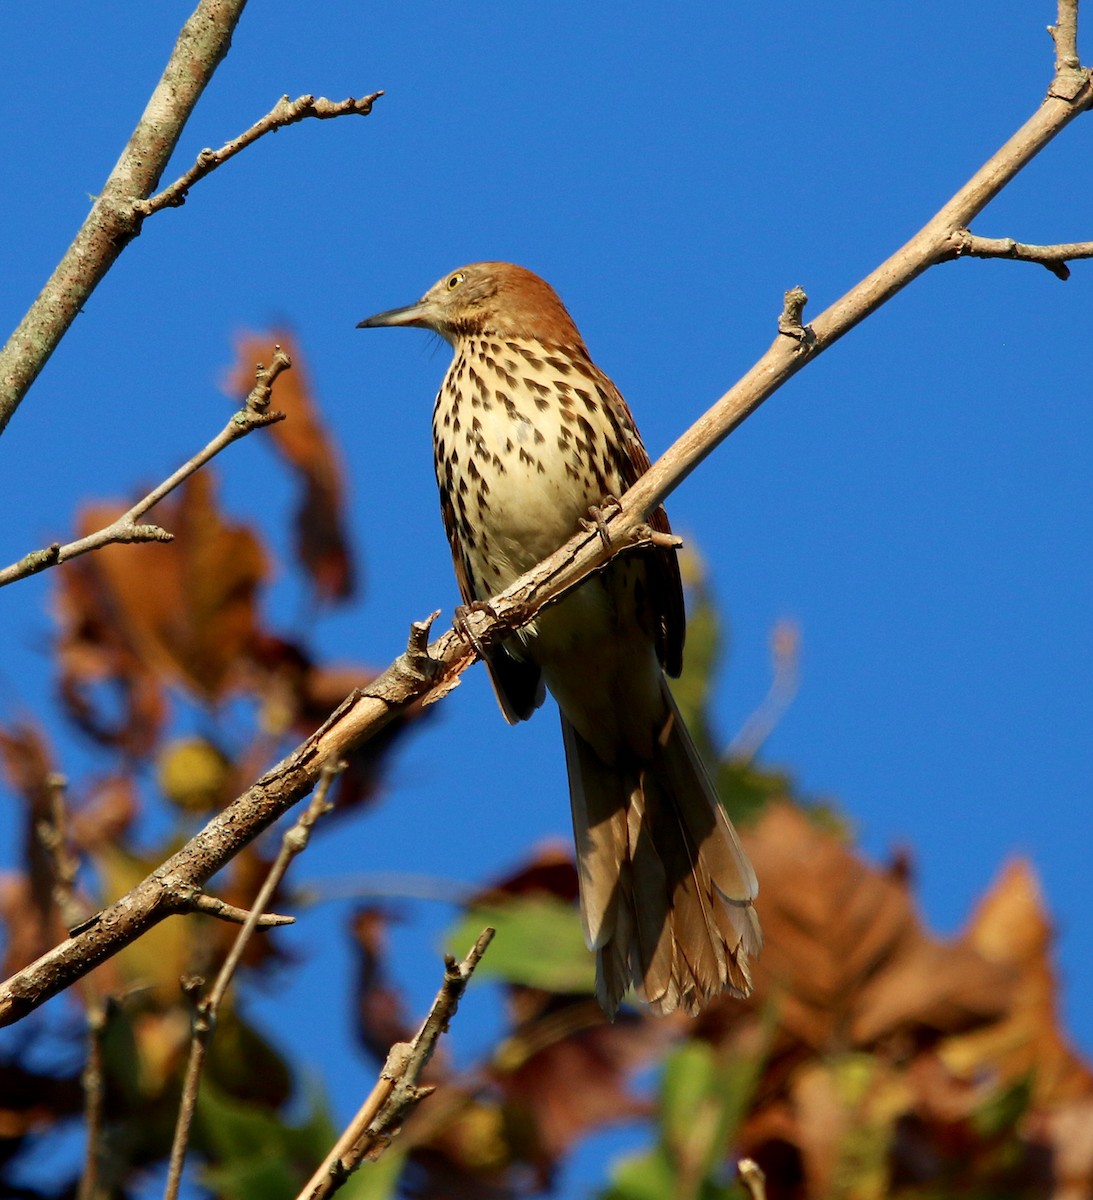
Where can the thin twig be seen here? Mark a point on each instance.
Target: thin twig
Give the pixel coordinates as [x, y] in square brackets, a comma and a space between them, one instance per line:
[213, 906]
[753, 1179]
[1064, 33]
[785, 645]
[64, 865]
[93, 1079]
[52, 832]
[364, 713]
[397, 1090]
[207, 1008]
[1054, 258]
[254, 414]
[286, 112]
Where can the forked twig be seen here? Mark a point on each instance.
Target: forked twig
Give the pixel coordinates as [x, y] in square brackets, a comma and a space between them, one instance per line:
[285, 112]
[254, 414]
[397, 1090]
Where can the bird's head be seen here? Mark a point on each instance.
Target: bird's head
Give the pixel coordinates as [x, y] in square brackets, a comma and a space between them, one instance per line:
[487, 298]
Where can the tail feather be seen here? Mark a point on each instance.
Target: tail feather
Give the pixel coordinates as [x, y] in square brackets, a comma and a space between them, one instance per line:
[653, 953]
[666, 889]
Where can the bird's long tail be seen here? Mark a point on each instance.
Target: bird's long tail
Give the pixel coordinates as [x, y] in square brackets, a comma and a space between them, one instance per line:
[666, 890]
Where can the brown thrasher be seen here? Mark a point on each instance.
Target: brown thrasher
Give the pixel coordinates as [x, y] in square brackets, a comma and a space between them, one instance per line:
[529, 435]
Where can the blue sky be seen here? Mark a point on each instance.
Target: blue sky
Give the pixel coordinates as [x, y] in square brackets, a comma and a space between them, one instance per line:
[917, 499]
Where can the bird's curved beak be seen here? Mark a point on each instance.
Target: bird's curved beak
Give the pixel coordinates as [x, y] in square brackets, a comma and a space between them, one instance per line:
[412, 315]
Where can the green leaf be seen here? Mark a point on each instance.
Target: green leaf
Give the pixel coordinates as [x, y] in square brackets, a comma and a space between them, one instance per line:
[253, 1179]
[1002, 1110]
[539, 943]
[375, 1180]
[689, 1080]
[648, 1176]
[251, 1153]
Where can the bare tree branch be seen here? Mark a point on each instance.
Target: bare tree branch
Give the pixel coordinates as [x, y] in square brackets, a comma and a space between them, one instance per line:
[207, 1008]
[427, 672]
[397, 1090]
[287, 112]
[254, 414]
[1054, 258]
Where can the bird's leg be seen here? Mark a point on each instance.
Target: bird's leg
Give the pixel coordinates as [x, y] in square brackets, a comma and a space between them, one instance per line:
[462, 626]
[597, 521]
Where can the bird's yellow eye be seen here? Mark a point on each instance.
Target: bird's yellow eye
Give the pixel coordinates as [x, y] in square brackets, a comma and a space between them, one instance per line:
[455, 280]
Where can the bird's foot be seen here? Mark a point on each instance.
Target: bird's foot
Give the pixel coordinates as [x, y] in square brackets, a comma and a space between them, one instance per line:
[598, 522]
[462, 625]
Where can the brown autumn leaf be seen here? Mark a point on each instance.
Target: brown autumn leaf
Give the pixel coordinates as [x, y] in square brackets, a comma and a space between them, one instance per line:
[1011, 927]
[382, 1019]
[107, 689]
[105, 813]
[846, 958]
[184, 612]
[31, 1101]
[28, 908]
[901, 1063]
[564, 1070]
[322, 543]
[566, 1073]
[26, 935]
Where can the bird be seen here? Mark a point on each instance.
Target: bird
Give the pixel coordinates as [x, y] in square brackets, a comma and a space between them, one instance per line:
[529, 438]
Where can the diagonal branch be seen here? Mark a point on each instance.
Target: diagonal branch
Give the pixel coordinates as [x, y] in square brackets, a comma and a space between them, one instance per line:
[254, 414]
[112, 223]
[429, 671]
[286, 112]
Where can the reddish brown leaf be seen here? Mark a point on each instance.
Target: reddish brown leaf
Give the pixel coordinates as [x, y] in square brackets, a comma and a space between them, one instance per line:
[322, 544]
[566, 1073]
[28, 907]
[106, 814]
[183, 612]
[550, 869]
[26, 931]
[1011, 927]
[382, 1019]
[107, 689]
[846, 958]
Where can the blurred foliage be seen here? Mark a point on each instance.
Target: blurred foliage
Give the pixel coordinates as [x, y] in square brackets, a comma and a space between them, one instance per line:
[874, 1058]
